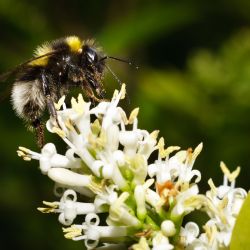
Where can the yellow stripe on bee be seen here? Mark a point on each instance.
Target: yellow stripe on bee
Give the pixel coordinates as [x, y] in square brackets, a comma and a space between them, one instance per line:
[74, 43]
[40, 51]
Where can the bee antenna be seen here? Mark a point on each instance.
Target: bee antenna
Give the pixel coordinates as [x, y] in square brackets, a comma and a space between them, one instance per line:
[120, 60]
[116, 78]
[113, 74]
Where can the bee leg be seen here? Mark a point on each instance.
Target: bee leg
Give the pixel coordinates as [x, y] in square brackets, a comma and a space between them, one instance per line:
[51, 107]
[91, 94]
[49, 100]
[39, 131]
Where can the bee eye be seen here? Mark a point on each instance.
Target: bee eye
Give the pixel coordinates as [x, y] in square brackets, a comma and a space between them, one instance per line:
[91, 55]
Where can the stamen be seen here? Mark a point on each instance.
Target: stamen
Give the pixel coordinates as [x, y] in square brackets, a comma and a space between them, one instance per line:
[72, 232]
[231, 176]
[60, 103]
[59, 131]
[133, 115]
[52, 206]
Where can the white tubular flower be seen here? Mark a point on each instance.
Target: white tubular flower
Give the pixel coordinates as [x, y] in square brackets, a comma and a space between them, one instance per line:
[140, 197]
[153, 198]
[112, 136]
[74, 123]
[110, 112]
[142, 245]
[142, 201]
[91, 232]
[186, 202]
[119, 158]
[106, 198]
[69, 208]
[186, 171]
[168, 228]
[180, 165]
[69, 178]
[200, 245]
[167, 169]
[59, 190]
[108, 246]
[138, 167]
[224, 203]
[189, 233]
[161, 242]
[119, 213]
[160, 170]
[131, 139]
[147, 145]
[112, 172]
[50, 159]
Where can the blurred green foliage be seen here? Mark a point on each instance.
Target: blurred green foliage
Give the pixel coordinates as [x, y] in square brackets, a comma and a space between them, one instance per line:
[193, 84]
[240, 235]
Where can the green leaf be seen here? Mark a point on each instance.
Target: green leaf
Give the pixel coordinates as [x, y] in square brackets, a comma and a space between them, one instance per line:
[240, 237]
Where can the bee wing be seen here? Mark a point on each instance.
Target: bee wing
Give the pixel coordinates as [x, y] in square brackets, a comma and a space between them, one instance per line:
[6, 88]
[12, 73]
[18, 68]
[6, 75]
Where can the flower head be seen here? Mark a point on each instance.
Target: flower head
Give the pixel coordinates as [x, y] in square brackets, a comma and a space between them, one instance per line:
[142, 202]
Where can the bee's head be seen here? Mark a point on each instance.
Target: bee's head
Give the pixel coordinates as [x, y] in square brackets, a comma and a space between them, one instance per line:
[91, 60]
[93, 67]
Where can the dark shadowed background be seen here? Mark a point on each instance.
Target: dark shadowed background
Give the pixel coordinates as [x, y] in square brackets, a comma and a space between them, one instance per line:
[193, 84]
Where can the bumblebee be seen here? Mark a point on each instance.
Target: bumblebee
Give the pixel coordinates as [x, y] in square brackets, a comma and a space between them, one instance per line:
[56, 67]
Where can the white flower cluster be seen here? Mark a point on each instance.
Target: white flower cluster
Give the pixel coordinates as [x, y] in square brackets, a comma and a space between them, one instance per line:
[124, 198]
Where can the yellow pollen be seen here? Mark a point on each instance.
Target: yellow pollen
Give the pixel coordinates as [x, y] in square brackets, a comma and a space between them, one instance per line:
[20, 153]
[26, 158]
[231, 176]
[212, 186]
[78, 105]
[69, 124]
[123, 91]
[72, 232]
[171, 149]
[58, 131]
[46, 210]
[50, 209]
[59, 104]
[115, 94]
[197, 151]
[25, 150]
[133, 115]
[155, 134]
[124, 117]
[24, 153]
[210, 231]
[96, 127]
[160, 146]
